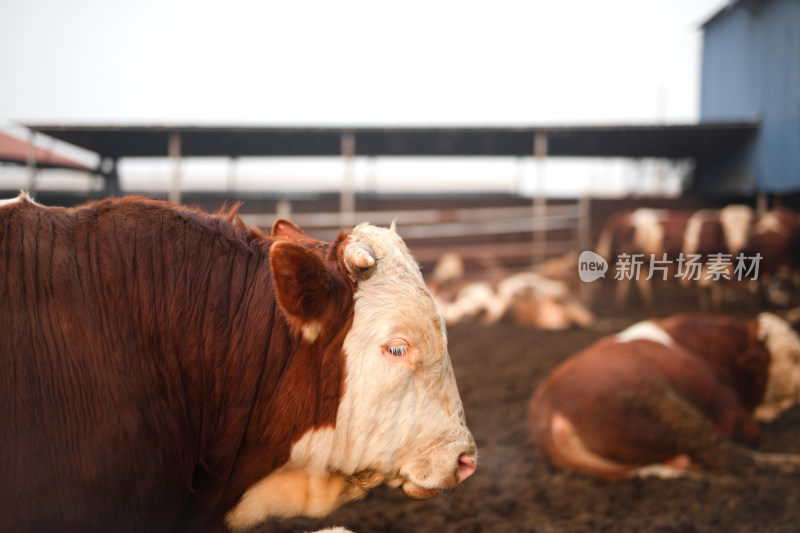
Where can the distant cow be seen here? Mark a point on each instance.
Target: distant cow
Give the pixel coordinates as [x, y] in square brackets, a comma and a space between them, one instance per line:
[776, 238]
[669, 391]
[716, 232]
[773, 237]
[725, 230]
[646, 231]
[162, 369]
[526, 298]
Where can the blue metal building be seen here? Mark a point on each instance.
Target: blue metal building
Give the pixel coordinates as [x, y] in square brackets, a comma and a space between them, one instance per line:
[751, 72]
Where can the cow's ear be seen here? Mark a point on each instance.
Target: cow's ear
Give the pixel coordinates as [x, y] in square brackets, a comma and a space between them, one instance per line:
[301, 286]
[284, 229]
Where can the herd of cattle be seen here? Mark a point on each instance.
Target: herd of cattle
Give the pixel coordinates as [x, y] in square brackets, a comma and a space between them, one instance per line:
[164, 369]
[765, 247]
[719, 255]
[541, 299]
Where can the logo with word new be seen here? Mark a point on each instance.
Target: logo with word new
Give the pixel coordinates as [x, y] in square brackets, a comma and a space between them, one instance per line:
[591, 266]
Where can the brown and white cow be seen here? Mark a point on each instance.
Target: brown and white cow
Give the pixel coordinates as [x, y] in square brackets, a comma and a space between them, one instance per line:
[673, 392]
[776, 238]
[725, 230]
[709, 232]
[773, 237]
[164, 369]
[643, 231]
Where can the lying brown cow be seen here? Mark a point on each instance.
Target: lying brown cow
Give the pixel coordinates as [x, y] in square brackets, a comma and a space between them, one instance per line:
[162, 369]
[669, 391]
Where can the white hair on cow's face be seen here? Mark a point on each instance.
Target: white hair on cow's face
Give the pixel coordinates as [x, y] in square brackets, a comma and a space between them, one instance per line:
[648, 236]
[401, 418]
[691, 236]
[771, 222]
[783, 378]
[736, 222]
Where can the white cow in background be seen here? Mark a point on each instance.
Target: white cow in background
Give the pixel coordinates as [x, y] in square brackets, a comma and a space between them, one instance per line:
[528, 298]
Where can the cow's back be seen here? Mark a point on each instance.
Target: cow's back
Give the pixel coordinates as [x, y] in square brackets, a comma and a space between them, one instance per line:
[107, 331]
[730, 347]
[78, 401]
[620, 405]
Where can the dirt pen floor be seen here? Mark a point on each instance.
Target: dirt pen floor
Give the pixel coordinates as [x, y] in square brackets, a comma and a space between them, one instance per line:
[498, 368]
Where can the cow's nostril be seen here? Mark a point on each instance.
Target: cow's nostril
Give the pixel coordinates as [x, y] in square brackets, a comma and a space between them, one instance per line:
[466, 466]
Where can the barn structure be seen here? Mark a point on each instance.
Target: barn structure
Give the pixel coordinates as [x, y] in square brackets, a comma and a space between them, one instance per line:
[751, 73]
[747, 142]
[745, 146]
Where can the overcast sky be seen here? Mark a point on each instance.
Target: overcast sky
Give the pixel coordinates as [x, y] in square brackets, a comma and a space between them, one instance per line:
[357, 63]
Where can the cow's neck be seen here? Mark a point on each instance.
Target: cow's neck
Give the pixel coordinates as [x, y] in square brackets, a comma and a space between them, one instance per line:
[255, 377]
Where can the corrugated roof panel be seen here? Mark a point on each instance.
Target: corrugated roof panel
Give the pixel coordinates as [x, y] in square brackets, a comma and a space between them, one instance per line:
[674, 141]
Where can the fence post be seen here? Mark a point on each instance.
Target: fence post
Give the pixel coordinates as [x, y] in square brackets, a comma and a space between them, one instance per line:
[584, 225]
[347, 196]
[762, 203]
[539, 199]
[31, 161]
[175, 156]
[584, 222]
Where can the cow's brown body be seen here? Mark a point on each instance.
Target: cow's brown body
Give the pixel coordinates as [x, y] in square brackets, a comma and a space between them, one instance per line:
[156, 362]
[675, 388]
[776, 239]
[142, 340]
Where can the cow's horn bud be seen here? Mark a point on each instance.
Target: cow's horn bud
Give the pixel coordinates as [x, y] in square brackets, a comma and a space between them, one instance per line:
[359, 260]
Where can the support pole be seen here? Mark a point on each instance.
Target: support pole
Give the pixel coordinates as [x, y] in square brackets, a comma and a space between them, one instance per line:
[584, 237]
[347, 196]
[110, 172]
[539, 199]
[762, 203]
[232, 174]
[175, 157]
[584, 222]
[31, 161]
[283, 209]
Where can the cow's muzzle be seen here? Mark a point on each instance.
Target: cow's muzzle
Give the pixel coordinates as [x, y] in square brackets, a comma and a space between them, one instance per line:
[467, 463]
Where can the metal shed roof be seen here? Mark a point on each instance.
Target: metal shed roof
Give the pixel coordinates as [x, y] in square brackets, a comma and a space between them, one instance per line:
[751, 5]
[705, 140]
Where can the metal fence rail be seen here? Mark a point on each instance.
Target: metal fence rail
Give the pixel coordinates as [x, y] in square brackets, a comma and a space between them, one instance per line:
[519, 234]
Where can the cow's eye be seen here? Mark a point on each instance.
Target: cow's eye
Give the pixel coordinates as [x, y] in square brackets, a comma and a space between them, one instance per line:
[397, 351]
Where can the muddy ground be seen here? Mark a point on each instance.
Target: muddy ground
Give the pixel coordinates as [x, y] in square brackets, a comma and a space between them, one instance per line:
[498, 367]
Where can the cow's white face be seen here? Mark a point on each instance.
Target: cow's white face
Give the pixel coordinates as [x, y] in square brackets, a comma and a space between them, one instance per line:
[648, 233]
[401, 413]
[400, 420]
[736, 223]
[783, 375]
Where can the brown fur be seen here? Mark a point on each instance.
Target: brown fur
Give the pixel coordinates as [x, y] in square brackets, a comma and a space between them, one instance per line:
[619, 237]
[148, 375]
[779, 249]
[641, 402]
